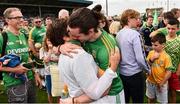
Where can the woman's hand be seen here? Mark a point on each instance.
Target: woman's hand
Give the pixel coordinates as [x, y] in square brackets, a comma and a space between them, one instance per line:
[114, 58]
[68, 48]
[38, 80]
[20, 69]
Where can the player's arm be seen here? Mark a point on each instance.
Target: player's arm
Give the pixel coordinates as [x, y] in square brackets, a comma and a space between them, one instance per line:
[31, 43]
[178, 70]
[169, 69]
[31, 46]
[18, 69]
[97, 88]
[166, 77]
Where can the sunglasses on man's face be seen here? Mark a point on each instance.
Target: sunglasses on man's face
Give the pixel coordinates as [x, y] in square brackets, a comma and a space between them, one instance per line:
[38, 22]
[110, 20]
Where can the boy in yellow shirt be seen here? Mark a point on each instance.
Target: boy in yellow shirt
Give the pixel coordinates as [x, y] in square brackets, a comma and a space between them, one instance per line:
[161, 67]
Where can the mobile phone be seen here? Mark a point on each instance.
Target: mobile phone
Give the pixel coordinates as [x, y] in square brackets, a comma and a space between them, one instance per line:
[29, 65]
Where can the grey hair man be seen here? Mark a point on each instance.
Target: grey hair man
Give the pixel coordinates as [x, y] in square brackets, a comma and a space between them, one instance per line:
[17, 91]
[63, 13]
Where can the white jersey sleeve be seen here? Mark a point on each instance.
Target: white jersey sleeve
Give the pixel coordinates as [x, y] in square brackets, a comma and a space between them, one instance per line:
[85, 73]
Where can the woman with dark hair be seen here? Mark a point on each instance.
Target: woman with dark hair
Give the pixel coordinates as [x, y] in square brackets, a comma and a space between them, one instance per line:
[56, 31]
[176, 12]
[103, 22]
[166, 16]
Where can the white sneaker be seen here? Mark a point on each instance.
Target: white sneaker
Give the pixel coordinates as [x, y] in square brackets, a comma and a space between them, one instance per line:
[43, 83]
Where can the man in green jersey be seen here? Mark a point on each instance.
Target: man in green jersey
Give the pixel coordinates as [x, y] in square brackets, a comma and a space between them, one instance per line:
[36, 36]
[83, 26]
[165, 31]
[172, 47]
[100, 49]
[166, 17]
[17, 91]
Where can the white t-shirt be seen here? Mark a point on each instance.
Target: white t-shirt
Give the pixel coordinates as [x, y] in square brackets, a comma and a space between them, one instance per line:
[80, 74]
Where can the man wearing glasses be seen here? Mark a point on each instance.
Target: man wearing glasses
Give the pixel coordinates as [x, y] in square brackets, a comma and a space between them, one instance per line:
[17, 91]
[36, 35]
[35, 40]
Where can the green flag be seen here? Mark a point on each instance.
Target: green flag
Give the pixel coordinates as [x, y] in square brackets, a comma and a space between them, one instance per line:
[155, 19]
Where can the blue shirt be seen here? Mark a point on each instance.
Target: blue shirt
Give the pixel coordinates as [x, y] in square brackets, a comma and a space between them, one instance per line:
[133, 57]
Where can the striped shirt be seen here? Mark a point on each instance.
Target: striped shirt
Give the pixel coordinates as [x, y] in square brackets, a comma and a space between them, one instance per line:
[173, 49]
[100, 50]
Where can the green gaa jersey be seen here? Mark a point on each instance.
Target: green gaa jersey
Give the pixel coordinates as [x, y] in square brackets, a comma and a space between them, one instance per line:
[37, 34]
[172, 48]
[25, 32]
[100, 50]
[16, 44]
[165, 31]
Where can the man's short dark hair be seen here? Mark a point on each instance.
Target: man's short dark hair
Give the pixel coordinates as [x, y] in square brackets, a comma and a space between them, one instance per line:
[168, 15]
[37, 17]
[56, 31]
[173, 21]
[149, 16]
[175, 11]
[84, 19]
[159, 37]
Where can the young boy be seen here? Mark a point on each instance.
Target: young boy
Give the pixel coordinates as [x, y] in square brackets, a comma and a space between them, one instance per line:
[146, 30]
[172, 48]
[161, 66]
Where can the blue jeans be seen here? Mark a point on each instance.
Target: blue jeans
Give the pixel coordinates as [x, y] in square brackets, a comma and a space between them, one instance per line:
[48, 84]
